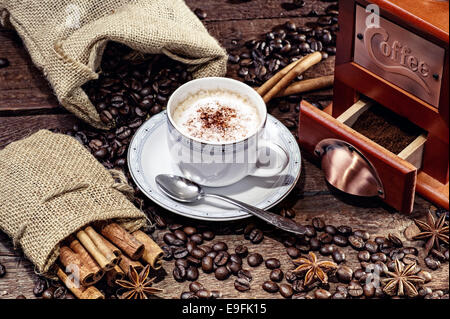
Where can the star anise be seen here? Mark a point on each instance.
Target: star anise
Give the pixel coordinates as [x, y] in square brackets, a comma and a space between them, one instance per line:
[402, 281]
[434, 232]
[139, 286]
[314, 269]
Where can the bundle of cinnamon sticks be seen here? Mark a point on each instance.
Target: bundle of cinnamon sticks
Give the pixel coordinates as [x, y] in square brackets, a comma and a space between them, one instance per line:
[105, 251]
[280, 84]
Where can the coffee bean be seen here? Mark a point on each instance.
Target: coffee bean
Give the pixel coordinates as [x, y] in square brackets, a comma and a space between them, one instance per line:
[241, 284]
[200, 13]
[276, 275]
[220, 246]
[344, 230]
[410, 259]
[325, 238]
[318, 223]
[338, 255]
[244, 273]
[432, 263]
[364, 256]
[270, 286]
[212, 254]
[190, 246]
[410, 251]
[378, 257]
[197, 238]
[381, 240]
[446, 255]
[190, 230]
[359, 275]
[2, 270]
[371, 246]
[191, 273]
[356, 242]
[241, 250]
[322, 294]
[21, 297]
[48, 293]
[425, 275]
[233, 58]
[362, 234]
[207, 264]
[234, 267]
[182, 263]
[355, 289]
[437, 255]
[327, 250]
[188, 295]
[39, 287]
[208, 235]
[293, 252]
[256, 236]
[395, 240]
[179, 273]
[203, 294]
[369, 290]
[340, 240]
[167, 252]
[222, 273]
[181, 235]
[180, 253]
[290, 276]
[215, 294]
[272, 263]
[314, 244]
[222, 258]
[60, 293]
[344, 274]
[196, 262]
[329, 229]
[4, 63]
[254, 259]
[195, 286]
[286, 290]
[169, 238]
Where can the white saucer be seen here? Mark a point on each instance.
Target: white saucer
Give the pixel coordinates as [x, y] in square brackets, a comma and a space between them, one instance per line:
[148, 156]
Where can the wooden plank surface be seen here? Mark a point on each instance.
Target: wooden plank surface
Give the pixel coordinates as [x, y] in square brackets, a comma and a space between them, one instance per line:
[27, 104]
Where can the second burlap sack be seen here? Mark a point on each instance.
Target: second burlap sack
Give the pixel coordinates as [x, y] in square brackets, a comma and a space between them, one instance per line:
[66, 39]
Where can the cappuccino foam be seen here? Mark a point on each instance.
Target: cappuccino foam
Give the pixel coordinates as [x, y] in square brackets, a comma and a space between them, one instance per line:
[217, 116]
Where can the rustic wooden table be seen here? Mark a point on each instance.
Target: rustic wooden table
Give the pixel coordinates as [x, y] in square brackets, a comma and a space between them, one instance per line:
[28, 104]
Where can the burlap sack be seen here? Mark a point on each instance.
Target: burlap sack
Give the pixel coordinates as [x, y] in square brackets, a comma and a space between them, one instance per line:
[66, 39]
[50, 187]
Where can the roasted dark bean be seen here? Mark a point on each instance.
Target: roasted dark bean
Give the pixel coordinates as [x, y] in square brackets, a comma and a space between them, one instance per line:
[276, 275]
[234, 267]
[397, 242]
[208, 235]
[220, 246]
[286, 290]
[197, 238]
[355, 289]
[39, 287]
[256, 236]
[182, 263]
[179, 273]
[254, 259]
[190, 230]
[338, 255]
[244, 273]
[194, 261]
[327, 250]
[203, 294]
[364, 256]
[356, 242]
[222, 258]
[272, 263]
[207, 264]
[362, 234]
[222, 273]
[344, 274]
[192, 273]
[242, 284]
[432, 263]
[314, 244]
[329, 229]
[293, 252]
[270, 286]
[378, 257]
[371, 246]
[340, 240]
[198, 253]
[241, 250]
[322, 294]
[188, 295]
[318, 223]
[344, 230]
[180, 253]
[310, 231]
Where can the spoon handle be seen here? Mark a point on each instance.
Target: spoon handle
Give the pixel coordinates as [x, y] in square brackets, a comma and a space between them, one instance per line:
[278, 221]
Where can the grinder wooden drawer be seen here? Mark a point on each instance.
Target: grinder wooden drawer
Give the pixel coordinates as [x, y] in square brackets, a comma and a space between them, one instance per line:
[397, 175]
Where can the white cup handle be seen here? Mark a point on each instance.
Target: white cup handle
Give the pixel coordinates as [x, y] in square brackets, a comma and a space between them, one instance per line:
[264, 169]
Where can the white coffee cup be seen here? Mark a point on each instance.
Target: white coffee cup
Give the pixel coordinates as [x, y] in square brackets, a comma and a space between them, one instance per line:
[221, 164]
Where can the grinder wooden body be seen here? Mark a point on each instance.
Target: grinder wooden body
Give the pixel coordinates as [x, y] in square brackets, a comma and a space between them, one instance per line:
[394, 53]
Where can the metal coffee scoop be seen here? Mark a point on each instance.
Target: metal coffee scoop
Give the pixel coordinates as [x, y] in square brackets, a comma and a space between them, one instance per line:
[347, 169]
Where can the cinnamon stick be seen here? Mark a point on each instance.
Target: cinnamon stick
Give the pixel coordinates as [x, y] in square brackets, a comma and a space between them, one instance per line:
[152, 252]
[102, 261]
[100, 242]
[125, 264]
[79, 291]
[86, 259]
[116, 251]
[307, 85]
[69, 258]
[114, 274]
[124, 240]
[298, 69]
[263, 89]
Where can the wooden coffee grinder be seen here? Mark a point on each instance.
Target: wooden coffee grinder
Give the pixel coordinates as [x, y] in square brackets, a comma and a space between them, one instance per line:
[393, 53]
